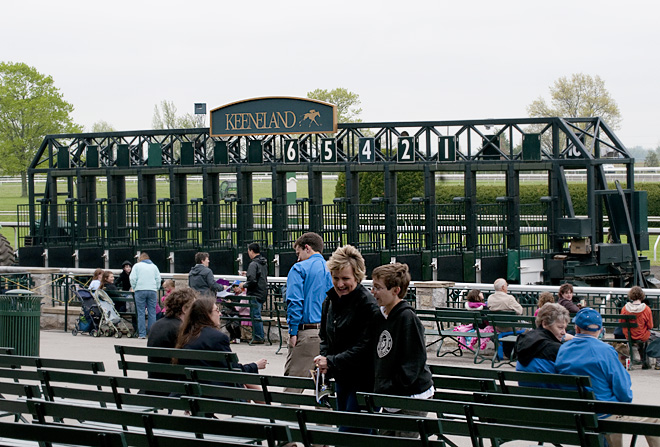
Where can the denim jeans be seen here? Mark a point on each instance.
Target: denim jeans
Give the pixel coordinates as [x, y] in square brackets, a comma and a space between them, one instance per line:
[145, 299]
[258, 327]
[347, 401]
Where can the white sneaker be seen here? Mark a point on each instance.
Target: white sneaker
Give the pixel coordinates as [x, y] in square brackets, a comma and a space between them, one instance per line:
[238, 341]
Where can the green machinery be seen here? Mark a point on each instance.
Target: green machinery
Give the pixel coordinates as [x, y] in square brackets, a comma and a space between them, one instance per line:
[69, 225]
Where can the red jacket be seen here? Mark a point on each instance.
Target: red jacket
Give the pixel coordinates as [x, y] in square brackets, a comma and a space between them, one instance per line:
[644, 319]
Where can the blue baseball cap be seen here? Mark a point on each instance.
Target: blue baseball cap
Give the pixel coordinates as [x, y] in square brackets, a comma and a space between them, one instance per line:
[588, 319]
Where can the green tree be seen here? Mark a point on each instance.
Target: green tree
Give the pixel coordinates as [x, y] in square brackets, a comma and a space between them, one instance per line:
[652, 159]
[30, 108]
[166, 117]
[348, 103]
[578, 96]
[102, 126]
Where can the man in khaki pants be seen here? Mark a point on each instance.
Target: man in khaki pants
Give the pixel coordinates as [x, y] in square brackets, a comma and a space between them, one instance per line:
[306, 287]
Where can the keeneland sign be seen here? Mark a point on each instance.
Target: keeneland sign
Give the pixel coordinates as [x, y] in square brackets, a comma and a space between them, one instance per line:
[273, 115]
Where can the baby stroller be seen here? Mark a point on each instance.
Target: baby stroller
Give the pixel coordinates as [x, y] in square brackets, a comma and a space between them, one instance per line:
[111, 323]
[90, 313]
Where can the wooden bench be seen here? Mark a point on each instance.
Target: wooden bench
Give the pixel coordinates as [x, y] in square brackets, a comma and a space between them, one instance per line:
[20, 361]
[282, 324]
[596, 406]
[101, 390]
[309, 426]
[580, 383]
[13, 399]
[268, 384]
[164, 430]
[514, 325]
[127, 298]
[154, 360]
[267, 322]
[316, 426]
[445, 320]
[628, 322]
[496, 422]
[69, 435]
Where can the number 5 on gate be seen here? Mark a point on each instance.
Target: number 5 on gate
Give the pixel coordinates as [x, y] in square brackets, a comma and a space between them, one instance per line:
[328, 150]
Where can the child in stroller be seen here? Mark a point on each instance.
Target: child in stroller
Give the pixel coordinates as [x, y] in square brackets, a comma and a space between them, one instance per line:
[90, 313]
[98, 315]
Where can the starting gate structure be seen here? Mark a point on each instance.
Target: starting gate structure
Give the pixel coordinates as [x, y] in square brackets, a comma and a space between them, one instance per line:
[68, 224]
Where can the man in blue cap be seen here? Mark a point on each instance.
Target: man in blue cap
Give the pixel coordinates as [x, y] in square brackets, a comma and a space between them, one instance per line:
[586, 355]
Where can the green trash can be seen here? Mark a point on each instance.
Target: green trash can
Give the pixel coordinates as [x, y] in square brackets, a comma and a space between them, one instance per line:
[20, 321]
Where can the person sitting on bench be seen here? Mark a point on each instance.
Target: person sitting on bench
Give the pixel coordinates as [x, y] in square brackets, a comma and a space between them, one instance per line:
[200, 330]
[500, 301]
[586, 355]
[644, 319]
[537, 349]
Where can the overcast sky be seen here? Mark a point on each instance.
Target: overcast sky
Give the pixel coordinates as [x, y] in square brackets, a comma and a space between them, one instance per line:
[408, 60]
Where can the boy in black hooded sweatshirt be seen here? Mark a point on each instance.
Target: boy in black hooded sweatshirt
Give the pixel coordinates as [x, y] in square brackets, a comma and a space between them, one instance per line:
[400, 365]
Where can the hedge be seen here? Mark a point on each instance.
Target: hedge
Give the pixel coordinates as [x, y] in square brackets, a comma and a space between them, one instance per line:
[533, 192]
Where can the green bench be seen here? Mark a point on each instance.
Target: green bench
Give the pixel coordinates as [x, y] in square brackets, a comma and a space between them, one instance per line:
[317, 426]
[512, 325]
[628, 322]
[580, 383]
[155, 360]
[268, 384]
[499, 422]
[267, 322]
[595, 406]
[69, 435]
[163, 430]
[282, 324]
[445, 320]
[127, 299]
[20, 361]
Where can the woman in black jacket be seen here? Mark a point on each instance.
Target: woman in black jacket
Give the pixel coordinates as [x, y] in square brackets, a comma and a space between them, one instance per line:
[347, 329]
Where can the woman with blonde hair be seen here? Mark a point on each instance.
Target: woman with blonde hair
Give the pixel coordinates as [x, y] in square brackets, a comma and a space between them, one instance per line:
[545, 297]
[348, 326]
[537, 349]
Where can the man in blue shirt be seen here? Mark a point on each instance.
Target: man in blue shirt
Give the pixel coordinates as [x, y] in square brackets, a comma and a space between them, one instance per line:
[306, 287]
[586, 355]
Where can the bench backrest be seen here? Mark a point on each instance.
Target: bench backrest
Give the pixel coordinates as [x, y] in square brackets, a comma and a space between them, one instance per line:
[306, 419]
[531, 424]
[504, 376]
[179, 427]
[515, 322]
[60, 434]
[20, 361]
[225, 360]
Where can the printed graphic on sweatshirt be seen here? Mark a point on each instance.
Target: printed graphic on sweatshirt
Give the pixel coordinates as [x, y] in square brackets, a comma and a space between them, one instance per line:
[384, 344]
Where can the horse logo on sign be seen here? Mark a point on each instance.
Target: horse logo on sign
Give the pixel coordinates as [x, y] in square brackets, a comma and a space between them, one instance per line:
[311, 116]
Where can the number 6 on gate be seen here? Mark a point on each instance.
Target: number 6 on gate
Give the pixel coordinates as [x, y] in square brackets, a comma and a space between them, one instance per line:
[291, 151]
